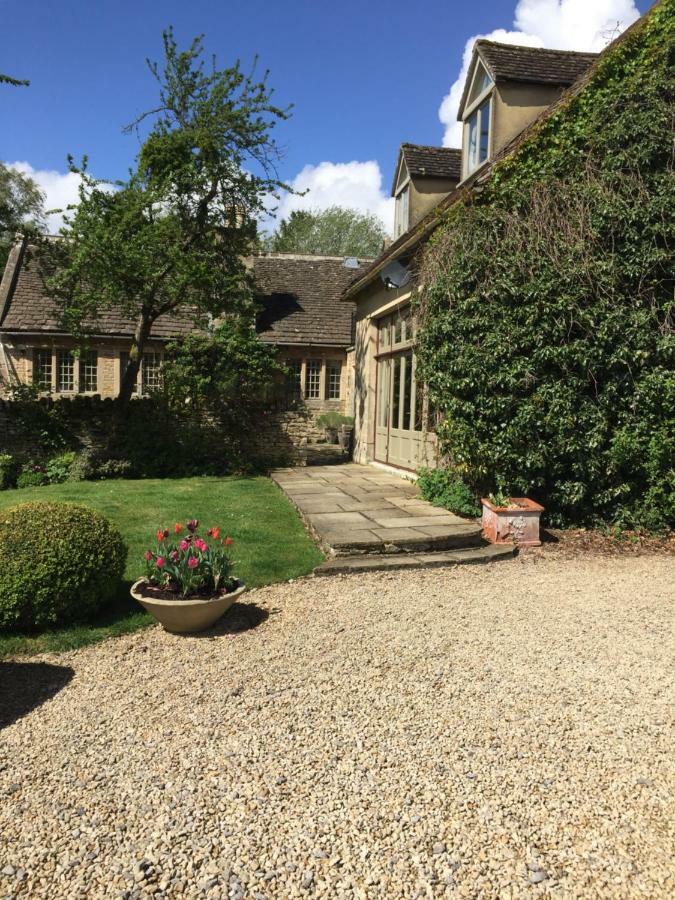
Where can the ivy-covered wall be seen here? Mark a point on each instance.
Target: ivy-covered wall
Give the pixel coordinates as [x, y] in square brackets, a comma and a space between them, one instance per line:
[547, 301]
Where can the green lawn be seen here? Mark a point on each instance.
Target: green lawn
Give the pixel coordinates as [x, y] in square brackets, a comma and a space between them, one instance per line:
[269, 541]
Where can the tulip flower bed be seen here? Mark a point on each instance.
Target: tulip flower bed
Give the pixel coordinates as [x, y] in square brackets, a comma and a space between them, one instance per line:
[269, 542]
[190, 565]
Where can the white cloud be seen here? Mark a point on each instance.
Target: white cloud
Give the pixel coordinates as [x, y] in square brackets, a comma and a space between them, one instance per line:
[357, 185]
[60, 189]
[561, 24]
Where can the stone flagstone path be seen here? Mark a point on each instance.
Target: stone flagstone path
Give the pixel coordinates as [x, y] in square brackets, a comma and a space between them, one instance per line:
[355, 509]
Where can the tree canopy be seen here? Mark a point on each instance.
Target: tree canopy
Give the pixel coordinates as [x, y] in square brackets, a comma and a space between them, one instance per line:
[174, 235]
[336, 231]
[21, 208]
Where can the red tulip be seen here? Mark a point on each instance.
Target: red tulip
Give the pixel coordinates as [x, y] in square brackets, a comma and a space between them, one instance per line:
[178, 528]
[228, 541]
[193, 562]
[148, 555]
[161, 562]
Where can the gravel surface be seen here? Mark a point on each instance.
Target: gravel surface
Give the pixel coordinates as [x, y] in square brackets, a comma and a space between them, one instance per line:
[492, 731]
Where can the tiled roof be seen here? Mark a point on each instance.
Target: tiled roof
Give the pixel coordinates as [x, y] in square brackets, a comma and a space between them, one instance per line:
[300, 296]
[533, 65]
[510, 62]
[28, 308]
[431, 162]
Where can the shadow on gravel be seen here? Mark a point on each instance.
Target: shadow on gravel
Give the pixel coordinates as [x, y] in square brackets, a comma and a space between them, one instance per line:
[26, 685]
[239, 617]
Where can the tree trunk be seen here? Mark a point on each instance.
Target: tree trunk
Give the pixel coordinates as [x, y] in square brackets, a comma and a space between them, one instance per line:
[129, 377]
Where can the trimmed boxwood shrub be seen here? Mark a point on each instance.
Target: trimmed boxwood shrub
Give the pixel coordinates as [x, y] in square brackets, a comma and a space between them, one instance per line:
[59, 563]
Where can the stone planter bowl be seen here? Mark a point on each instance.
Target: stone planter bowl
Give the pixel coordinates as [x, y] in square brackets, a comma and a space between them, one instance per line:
[517, 524]
[185, 616]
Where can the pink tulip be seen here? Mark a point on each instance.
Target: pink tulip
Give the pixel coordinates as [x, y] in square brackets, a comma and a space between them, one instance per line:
[161, 562]
[173, 556]
[184, 545]
[148, 555]
[193, 562]
[201, 545]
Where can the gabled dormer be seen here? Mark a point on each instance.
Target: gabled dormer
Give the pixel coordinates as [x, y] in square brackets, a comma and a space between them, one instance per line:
[423, 176]
[506, 88]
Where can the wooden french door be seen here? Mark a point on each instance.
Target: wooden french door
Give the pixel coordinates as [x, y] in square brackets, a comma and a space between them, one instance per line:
[400, 436]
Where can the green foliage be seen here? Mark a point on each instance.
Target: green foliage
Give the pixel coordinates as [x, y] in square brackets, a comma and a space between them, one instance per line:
[227, 377]
[174, 236]
[59, 468]
[59, 563]
[336, 231]
[32, 475]
[21, 207]
[333, 419]
[113, 468]
[445, 488]
[9, 470]
[500, 499]
[547, 309]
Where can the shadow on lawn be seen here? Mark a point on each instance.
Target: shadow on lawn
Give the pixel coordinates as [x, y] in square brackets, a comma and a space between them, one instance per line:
[25, 686]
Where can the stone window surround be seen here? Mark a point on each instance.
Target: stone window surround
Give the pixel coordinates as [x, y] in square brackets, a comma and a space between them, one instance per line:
[56, 352]
[325, 357]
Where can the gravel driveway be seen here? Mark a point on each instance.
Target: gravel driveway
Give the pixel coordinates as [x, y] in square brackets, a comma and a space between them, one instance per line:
[495, 731]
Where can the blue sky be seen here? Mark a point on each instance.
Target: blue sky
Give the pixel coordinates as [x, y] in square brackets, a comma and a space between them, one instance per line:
[363, 76]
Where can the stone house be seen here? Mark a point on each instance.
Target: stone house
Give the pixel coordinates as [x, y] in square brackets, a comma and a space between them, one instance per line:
[300, 313]
[507, 89]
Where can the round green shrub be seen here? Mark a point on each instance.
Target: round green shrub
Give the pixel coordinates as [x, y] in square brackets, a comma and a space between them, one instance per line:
[59, 563]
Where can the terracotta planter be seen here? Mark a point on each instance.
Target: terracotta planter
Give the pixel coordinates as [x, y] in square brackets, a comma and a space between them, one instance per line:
[517, 524]
[185, 616]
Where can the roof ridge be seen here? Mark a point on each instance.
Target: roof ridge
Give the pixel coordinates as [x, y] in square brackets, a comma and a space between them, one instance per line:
[537, 49]
[273, 254]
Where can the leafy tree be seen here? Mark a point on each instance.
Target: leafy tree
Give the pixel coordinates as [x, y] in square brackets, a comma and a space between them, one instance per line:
[16, 82]
[336, 231]
[21, 207]
[227, 373]
[173, 236]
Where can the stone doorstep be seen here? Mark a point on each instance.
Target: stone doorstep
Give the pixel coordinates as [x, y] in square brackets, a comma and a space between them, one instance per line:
[397, 541]
[352, 565]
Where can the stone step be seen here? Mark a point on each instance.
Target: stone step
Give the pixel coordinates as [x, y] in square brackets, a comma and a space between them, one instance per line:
[389, 562]
[404, 540]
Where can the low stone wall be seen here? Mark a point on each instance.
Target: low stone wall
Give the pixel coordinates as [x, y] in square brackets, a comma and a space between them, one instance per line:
[35, 430]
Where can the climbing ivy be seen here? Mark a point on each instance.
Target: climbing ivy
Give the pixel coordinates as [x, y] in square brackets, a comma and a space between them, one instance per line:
[546, 302]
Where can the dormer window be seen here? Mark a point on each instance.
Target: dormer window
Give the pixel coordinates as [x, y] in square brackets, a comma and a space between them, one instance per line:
[477, 119]
[402, 213]
[478, 136]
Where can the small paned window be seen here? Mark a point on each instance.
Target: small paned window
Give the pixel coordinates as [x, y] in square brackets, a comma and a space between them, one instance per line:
[294, 378]
[89, 371]
[402, 212]
[65, 371]
[478, 137]
[42, 370]
[334, 379]
[313, 379]
[151, 372]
